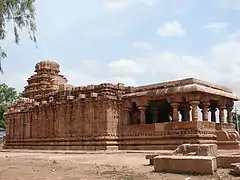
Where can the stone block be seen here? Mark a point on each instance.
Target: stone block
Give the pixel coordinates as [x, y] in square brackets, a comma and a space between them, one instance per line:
[151, 157]
[185, 164]
[235, 169]
[197, 149]
[70, 97]
[43, 102]
[82, 96]
[94, 95]
[225, 161]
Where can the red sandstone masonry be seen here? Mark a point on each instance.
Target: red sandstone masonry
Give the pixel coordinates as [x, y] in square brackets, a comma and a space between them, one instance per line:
[53, 114]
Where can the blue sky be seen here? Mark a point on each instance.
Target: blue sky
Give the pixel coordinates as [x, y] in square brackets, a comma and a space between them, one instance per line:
[131, 41]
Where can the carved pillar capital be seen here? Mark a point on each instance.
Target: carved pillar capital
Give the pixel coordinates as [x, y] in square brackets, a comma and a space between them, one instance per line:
[127, 104]
[177, 99]
[140, 102]
[205, 104]
[175, 104]
[192, 97]
[194, 102]
[222, 107]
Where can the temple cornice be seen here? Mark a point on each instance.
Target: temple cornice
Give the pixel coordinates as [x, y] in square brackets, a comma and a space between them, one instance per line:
[184, 89]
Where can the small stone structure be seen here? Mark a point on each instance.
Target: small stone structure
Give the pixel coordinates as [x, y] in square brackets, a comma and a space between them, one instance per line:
[195, 158]
[188, 158]
[188, 150]
[55, 115]
[186, 164]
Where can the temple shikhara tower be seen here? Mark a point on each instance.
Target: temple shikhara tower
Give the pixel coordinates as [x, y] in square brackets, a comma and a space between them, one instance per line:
[55, 115]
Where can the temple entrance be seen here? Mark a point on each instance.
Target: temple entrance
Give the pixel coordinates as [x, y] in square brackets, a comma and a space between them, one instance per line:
[160, 111]
[156, 112]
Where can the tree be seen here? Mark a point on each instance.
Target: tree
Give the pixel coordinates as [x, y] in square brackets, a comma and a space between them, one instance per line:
[236, 119]
[7, 95]
[21, 14]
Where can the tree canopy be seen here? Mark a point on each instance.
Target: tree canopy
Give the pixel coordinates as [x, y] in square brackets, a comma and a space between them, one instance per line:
[236, 119]
[21, 15]
[7, 95]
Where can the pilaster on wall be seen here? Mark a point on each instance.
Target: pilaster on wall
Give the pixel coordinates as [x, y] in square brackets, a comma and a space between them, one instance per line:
[113, 114]
[126, 109]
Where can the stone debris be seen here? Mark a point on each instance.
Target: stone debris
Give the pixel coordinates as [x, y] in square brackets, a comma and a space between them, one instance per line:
[235, 169]
[197, 149]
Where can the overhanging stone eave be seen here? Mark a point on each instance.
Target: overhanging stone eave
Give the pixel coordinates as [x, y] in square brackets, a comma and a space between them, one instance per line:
[184, 89]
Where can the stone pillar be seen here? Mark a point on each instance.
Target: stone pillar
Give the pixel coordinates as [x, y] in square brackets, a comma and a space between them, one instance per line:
[142, 104]
[229, 114]
[186, 110]
[213, 114]
[205, 106]
[221, 113]
[155, 114]
[142, 110]
[194, 105]
[175, 115]
[126, 116]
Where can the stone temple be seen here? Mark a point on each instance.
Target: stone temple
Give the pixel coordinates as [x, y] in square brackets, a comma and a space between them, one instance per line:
[54, 115]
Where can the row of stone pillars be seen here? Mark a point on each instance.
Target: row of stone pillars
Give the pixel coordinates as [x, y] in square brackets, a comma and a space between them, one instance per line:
[205, 108]
[185, 112]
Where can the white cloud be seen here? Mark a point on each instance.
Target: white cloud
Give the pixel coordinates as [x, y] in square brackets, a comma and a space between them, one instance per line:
[78, 78]
[16, 80]
[142, 45]
[173, 28]
[126, 68]
[122, 4]
[221, 65]
[234, 36]
[90, 65]
[231, 4]
[217, 26]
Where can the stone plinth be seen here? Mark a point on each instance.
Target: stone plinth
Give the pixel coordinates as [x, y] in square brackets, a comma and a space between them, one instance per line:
[185, 164]
[166, 136]
[228, 139]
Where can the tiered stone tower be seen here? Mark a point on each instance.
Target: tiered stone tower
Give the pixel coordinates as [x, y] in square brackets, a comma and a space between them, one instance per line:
[47, 80]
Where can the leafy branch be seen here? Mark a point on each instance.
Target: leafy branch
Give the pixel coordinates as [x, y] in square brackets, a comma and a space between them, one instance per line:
[22, 15]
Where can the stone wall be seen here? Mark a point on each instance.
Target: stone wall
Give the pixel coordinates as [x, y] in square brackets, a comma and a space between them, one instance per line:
[72, 115]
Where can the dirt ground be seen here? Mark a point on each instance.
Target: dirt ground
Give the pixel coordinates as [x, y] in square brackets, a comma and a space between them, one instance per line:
[126, 166]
